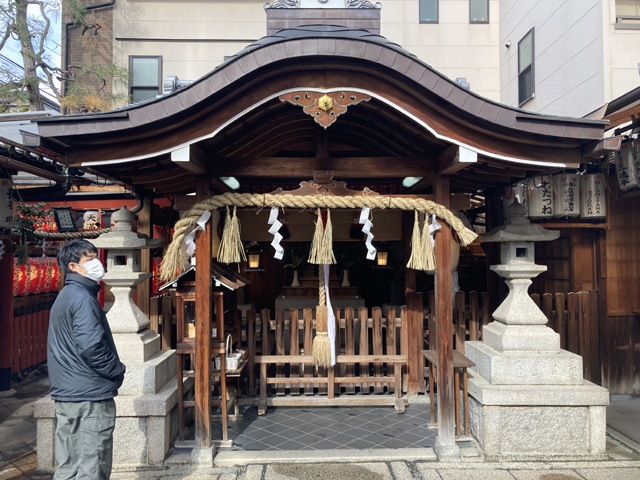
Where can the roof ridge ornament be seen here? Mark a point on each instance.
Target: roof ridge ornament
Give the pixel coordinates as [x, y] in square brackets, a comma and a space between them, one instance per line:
[325, 108]
[322, 4]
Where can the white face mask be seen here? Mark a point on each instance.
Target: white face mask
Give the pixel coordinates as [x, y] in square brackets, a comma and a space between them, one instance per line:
[95, 270]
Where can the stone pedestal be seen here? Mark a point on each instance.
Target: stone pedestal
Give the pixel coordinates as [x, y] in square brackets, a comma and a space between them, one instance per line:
[146, 405]
[527, 397]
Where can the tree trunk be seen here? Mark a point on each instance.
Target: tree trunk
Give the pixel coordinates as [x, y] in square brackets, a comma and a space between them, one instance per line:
[32, 82]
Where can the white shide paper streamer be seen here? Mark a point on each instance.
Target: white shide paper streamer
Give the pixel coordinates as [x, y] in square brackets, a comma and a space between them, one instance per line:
[366, 229]
[277, 238]
[200, 225]
[433, 228]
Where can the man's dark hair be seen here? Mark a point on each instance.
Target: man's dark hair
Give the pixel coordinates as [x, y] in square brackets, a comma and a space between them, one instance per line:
[73, 251]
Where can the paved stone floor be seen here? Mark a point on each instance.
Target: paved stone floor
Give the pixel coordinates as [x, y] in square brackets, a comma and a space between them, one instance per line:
[323, 428]
[394, 452]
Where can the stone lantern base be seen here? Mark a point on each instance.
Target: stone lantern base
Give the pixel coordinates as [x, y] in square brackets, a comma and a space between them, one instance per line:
[534, 406]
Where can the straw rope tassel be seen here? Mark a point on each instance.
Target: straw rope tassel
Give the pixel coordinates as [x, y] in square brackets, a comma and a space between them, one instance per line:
[327, 242]
[427, 246]
[231, 249]
[417, 260]
[321, 345]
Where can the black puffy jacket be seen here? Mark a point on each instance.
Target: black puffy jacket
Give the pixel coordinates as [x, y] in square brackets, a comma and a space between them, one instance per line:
[82, 358]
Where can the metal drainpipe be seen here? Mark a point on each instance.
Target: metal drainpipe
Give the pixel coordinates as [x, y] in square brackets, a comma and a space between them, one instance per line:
[66, 37]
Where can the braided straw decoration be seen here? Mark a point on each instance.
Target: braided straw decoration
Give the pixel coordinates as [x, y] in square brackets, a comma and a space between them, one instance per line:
[71, 235]
[174, 258]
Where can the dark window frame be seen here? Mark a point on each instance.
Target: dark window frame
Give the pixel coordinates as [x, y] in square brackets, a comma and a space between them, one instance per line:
[476, 22]
[437, 20]
[524, 97]
[160, 82]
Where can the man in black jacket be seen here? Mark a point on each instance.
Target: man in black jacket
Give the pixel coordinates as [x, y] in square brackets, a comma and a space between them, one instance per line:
[84, 369]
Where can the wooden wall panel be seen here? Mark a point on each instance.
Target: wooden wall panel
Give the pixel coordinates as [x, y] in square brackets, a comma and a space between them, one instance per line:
[623, 254]
[620, 353]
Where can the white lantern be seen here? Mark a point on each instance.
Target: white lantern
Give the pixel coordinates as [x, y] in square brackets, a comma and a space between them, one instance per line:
[7, 212]
[593, 202]
[517, 191]
[540, 197]
[627, 165]
[566, 198]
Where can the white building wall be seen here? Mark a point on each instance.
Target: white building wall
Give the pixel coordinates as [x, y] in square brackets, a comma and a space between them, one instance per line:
[453, 46]
[569, 72]
[193, 37]
[621, 52]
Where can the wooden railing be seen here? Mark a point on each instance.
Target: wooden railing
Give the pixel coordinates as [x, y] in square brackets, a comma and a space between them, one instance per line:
[30, 328]
[371, 353]
[575, 318]
[470, 313]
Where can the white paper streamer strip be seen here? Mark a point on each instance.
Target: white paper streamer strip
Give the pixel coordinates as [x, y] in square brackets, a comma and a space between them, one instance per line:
[433, 228]
[277, 238]
[331, 318]
[1, 249]
[191, 237]
[366, 229]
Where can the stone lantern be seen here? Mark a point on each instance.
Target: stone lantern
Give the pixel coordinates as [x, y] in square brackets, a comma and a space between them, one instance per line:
[528, 399]
[123, 245]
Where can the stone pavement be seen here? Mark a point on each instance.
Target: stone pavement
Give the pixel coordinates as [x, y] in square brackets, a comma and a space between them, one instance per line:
[18, 459]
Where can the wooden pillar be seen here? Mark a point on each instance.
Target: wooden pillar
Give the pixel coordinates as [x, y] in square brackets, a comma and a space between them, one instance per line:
[145, 227]
[415, 331]
[203, 328]
[444, 310]
[6, 314]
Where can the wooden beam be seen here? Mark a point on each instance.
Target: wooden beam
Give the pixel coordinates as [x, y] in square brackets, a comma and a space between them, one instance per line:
[444, 312]
[303, 167]
[145, 227]
[454, 159]
[192, 158]
[203, 328]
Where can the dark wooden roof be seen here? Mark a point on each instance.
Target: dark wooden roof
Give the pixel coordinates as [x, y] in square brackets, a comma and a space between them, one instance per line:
[242, 129]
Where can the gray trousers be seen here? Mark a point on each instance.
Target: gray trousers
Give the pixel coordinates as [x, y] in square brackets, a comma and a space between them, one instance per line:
[84, 440]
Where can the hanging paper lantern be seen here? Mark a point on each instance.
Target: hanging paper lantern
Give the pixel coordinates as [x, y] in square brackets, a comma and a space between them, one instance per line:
[517, 191]
[23, 279]
[35, 273]
[627, 165]
[593, 199]
[540, 197]
[566, 198]
[47, 270]
[56, 278]
[16, 278]
[156, 272]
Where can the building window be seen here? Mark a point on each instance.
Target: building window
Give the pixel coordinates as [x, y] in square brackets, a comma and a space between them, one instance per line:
[627, 14]
[478, 11]
[525, 68]
[146, 75]
[428, 11]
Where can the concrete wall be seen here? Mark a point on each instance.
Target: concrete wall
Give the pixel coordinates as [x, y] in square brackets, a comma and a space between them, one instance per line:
[453, 46]
[620, 51]
[569, 71]
[193, 37]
